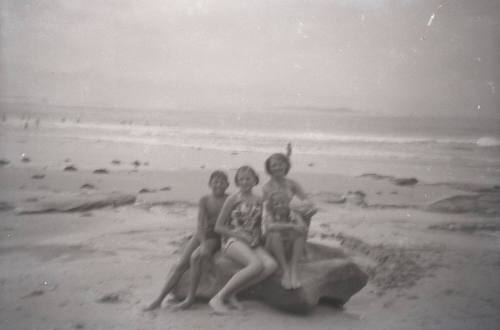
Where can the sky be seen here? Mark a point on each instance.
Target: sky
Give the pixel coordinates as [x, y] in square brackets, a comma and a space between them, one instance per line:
[394, 57]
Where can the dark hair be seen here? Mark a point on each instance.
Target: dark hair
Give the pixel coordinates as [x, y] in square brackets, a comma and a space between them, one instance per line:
[218, 174]
[281, 157]
[246, 169]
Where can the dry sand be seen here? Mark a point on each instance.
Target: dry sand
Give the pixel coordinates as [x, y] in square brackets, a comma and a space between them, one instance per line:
[432, 266]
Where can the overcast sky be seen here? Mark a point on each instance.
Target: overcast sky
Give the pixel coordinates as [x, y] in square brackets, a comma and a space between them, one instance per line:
[384, 56]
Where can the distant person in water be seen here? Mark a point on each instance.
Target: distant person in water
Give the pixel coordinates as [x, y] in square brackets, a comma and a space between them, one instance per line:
[239, 224]
[286, 236]
[204, 243]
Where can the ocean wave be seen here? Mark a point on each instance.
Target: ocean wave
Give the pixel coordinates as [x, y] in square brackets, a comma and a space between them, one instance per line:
[284, 135]
[487, 141]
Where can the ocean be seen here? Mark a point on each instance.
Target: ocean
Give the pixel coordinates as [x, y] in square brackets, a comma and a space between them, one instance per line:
[469, 143]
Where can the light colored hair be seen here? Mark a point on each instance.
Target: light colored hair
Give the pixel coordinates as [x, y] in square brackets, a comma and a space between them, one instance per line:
[247, 169]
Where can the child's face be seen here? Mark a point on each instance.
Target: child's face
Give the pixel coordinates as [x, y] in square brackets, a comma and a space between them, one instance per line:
[218, 185]
[246, 181]
[277, 167]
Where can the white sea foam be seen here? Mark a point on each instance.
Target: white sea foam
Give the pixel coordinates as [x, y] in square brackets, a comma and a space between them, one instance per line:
[487, 141]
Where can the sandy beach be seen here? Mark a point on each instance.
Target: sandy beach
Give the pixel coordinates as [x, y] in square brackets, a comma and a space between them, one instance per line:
[431, 248]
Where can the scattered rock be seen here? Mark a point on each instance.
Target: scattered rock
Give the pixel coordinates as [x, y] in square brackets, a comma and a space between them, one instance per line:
[326, 275]
[310, 164]
[166, 188]
[38, 176]
[87, 186]
[116, 162]
[356, 198]
[4, 162]
[70, 168]
[109, 298]
[146, 190]
[31, 199]
[136, 163]
[405, 181]
[101, 171]
[4, 206]
[234, 153]
[67, 160]
[25, 158]
[34, 293]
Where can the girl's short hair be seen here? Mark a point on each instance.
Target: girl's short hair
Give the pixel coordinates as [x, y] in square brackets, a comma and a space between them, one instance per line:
[280, 157]
[248, 169]
[218, 174]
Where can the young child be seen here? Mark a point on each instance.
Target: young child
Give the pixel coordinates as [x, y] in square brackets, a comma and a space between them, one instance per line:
[204, 243]
[286, 235]
[239, 224]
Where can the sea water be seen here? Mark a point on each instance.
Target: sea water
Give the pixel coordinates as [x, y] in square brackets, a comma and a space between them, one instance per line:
[467, 142]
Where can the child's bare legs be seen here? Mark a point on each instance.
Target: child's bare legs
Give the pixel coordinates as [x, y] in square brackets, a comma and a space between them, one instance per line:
[244, 255]
[297, 250]
[204, 251]
[275, 244]
[179, 269]
[270, 267]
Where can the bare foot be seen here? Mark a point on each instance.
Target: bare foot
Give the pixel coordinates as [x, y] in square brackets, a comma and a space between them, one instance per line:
[295, 283]
[153, 306]
[218, 306]
[186, 303]
[235, 303]
[285, 281]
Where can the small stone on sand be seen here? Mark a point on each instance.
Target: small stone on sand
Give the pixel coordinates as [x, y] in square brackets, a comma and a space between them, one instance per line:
[70, 168]
[101, 171]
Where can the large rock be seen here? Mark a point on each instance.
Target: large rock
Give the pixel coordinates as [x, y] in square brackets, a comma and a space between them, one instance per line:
[325, 273]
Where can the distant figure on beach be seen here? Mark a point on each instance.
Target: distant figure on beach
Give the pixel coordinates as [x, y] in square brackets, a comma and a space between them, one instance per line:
[204, 243]
[239, 224]
[286, 236]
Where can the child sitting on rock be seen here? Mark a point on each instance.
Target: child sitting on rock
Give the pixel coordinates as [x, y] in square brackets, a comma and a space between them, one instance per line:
[204, 243]
[286, 236]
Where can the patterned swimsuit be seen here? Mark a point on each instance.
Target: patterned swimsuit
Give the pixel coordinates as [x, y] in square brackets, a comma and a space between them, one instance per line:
[246, 216]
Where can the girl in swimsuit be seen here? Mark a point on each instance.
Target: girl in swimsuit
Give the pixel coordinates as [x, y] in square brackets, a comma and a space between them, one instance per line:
[239, 224]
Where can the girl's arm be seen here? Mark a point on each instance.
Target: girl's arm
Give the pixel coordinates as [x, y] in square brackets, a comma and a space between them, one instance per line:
[298, 191]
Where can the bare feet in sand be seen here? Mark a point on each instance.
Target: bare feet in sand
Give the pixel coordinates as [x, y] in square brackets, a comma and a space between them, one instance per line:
[218, 306]
[153, 306]
[186, 303]
[235, 303]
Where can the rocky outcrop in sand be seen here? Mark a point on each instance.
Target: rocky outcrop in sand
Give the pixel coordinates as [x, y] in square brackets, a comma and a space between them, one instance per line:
[326, 274]
[74, 203]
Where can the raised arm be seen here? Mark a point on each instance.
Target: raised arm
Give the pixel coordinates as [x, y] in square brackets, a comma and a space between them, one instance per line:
[298, 190]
